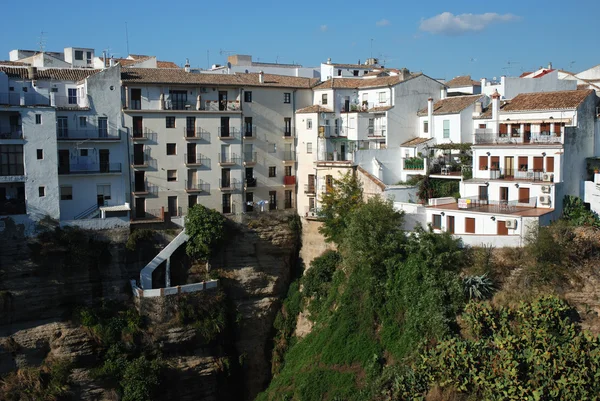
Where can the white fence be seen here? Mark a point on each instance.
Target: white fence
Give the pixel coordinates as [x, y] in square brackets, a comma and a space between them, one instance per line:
[97, 224]
[180, 289]
[497, 241]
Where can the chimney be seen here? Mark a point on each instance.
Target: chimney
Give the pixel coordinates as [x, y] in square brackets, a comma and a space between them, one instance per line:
[261, 77]
[103, 59]
[430, 116]
[495, 109]
[329, 60]
[111, 62]
[186, 67]
[32, 73]
[478, 108]
[550, 65]
[443, 93]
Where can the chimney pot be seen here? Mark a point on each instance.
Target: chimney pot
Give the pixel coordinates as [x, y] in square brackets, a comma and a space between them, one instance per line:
[261, 77]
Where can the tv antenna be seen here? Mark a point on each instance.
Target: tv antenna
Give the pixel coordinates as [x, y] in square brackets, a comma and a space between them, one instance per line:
[42, 41]
[571, 65]
[127, 37]
[226, 52]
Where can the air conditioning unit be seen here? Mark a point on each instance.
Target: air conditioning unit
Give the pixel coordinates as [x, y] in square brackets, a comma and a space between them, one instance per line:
[512, 224]
[546, 189]
[547, 177]
[545, 199]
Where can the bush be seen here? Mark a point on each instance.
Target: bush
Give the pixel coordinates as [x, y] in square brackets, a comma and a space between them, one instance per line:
[140, 379]
[576, 213]
[139, 236]
[49, 382]
[206, 229]
[478, 287]
[316, 279]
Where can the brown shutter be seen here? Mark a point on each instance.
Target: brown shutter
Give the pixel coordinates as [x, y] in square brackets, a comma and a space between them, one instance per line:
[483, 162]
[550, 164]
[502, 230]
[503, 128]
[538, 163]
[523, 163]
[470, 225]
[523, 195]
[495, 163]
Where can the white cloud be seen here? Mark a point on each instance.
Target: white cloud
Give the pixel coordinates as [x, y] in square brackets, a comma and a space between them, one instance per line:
[383, 22]
[323, 28]
[449, 24]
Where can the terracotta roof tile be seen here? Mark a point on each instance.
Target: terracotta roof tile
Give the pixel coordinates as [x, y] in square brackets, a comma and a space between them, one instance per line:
[59, 74]
[166, 64]
[451, 105]
[15, 63]
[547, 100]
[357, 83]
[380, 108]
[179, 76]
[464, 80]
[315, 109]
[416, 141]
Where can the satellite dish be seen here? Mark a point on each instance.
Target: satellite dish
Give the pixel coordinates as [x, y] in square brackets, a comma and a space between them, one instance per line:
[228, 64]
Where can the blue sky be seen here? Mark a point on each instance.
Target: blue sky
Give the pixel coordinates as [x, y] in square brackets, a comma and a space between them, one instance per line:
[439, 37]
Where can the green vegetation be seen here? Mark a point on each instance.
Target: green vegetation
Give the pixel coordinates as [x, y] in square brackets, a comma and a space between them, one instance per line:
[206, 228]
[205, 311]
[478, 287]
[436, 188]
[138, 237]
[337, 203]
[576, 213]
[49, 382]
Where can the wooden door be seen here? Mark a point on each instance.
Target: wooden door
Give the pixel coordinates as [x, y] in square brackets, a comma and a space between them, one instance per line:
[527, 133]
[509, 165]
[523, 195]
[550, 164]
[503, 195]
[172, 205]
[63, 161]
[502, 230]
[538, 164]
[450, 224]
[470, 225]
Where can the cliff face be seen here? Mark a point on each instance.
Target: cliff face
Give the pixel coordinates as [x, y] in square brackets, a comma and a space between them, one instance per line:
[39, 287]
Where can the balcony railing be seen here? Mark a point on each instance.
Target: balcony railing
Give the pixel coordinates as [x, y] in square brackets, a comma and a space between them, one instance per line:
[69, 102]
[249, 131]
[514, 139]
[289, 180]
[144, 188]
[24, 99]
[249, 157]
[513, 174]
[495, 206]
[414, 164]
[251, 182]
[215, 105]
[225, 158]
[135, 104]
[11, 169]
[81, 168]
[196, 159]
[289, 156]
[196, 133]
[377, 132]
[108, 134]
[141, 160]
[197, 186]
[142, 134]
[289, 132]
[228, 133]
[309, 189]
[11, 207]
[7, 133]
[229, 184]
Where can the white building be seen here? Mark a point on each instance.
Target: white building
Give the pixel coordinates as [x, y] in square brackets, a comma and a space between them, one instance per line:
[543, 80]
[239, 63]
[463, 85]
[527, 155]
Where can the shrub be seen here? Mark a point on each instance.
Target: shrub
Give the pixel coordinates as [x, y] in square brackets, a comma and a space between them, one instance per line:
[575, 212]
[140, 379]
[205, 228]
[138, 236]
[478, 287]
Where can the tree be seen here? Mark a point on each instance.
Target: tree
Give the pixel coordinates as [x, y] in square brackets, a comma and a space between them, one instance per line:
[206, 230]
[337, 204]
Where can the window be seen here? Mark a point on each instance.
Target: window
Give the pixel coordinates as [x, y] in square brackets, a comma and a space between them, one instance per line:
[41, 192]
[437, 221]
[192, 200]
[288, 200]
[470, 225]
[89, 56]
[66, 193]
[82, 122]
[483, 162]
[502, 229]
[309, 123]
[226, 202]
[135, 102]
[170, 122]
[324, 99]
[288, 170]
[102, 127]
[40, 154]
[171, 175]
[287, 97]
[523, 165]
[78, 54]
[272, 200]
[171, 149]
[38, 119]
[382, 97]
[272, 171]
[309, 147]
[11, 89]
[83, 152]
[72, 95]
[482, 126]
[25, 89]
[11, 160]
[545, 128]
[272, 147]
[446, 128]
[248, 96]
[287, 126]
[426, 127]
[355, 73]
[62, 126]
[549, 164]
[178, 99]
[339, 73]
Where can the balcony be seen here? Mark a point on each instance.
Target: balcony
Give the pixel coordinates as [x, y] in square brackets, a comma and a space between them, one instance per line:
[197, 186]
[288, 133]
[215, 105]
[101, 168]
[144, 189]
[11, 133]
[517, 139]
[23, 99]
[228, 133]
[142, 134]
[486, 205]
[229, 184]
[249, 132]
[196, 160]
[11, 207]
[309, 189]
[377, 132]
[141, 160]
[228, 159]
[414, 163]
[196, 134]
[69, 102]
[12, 169]
[98, 134]
[249, 158]
[289, 156]
[250, 182]
[289, 180]
[514, 174]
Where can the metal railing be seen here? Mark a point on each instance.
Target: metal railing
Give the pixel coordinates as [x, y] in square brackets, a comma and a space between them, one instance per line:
[11, 207]
[86, 212]
[91, 168]
[144, 187]
[196, 159]
[135, 104]
[69, 101]
[512, 174]
[249, 131]
[289, 156]
[289, 132]
[289, 180]
[495, 206]
[228, 132]
[144, 133]
[249, 157]
[108, 134]
[12, 169]
[225, 158]
[309, 189]
[196, 133]
[11, 134]
[140, 159]
[379, 132]
[24, 99]
[536, 138]
[229, 184]
[414, 164]
[197, 185]
[216, 105]
[251, 182]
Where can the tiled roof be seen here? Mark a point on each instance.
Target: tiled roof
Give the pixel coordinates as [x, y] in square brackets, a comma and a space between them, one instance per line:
[371, 177]
[415, 141]
[356, 83]
[465, 80]
[547, 100]
[315, 109]
[179, 76]
[17, 63]
[166, 64]
[380, 108]
[138, 56]
[59, 74]
[523, 75]
[451, 105]
[544, 72]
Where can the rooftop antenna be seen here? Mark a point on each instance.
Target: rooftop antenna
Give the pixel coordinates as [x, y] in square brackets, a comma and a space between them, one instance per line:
[42, 42]
[208, 59]
[226, 52]
[371, 47]
[571, 65]
[127, 38]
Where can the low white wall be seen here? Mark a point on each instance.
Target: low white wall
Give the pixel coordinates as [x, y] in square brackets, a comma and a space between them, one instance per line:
[414, 215]
[497, 241]
[159, 292]
[97, 224]
[401, 193]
